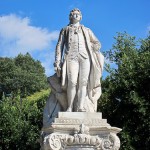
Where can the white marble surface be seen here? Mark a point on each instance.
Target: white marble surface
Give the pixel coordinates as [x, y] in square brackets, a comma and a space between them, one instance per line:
[80, 115]
[78, 132]
[70, 118]
[79, 64]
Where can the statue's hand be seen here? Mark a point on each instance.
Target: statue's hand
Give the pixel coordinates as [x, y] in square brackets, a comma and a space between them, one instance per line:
[95, 46]
[57, 69]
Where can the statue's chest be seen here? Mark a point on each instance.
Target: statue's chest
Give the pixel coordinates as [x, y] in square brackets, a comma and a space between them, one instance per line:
[76, 36]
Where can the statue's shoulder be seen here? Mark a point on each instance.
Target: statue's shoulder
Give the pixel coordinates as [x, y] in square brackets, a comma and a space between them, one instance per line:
[64, 29]
[85, 28]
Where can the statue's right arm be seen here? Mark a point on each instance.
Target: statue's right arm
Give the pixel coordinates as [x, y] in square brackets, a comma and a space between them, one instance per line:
[59, 51]
[59, 47]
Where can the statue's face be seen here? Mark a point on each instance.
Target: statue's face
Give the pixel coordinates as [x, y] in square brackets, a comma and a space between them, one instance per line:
[75, 17]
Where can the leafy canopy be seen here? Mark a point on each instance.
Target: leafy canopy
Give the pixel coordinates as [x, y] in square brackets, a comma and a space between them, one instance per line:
[125, 100]
[21, 73]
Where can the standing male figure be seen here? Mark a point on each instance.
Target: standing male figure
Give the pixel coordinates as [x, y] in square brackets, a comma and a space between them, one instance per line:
[79, 64]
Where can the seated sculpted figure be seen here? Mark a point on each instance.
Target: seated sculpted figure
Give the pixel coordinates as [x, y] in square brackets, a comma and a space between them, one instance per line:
[78, 64]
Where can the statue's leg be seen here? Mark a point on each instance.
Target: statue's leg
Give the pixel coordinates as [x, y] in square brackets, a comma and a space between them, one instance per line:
[72, 73]
[84, 69]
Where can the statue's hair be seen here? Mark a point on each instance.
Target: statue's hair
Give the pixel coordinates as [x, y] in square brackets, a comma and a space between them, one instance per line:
[71, 13]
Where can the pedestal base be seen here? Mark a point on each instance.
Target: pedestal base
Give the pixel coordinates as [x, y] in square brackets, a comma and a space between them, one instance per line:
[80, 131]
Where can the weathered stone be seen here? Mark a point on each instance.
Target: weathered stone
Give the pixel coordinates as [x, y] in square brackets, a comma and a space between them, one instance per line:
[75, 88]
[83, 131]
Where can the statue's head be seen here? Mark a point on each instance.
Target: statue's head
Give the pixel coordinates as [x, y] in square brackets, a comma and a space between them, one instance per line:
[75, 15]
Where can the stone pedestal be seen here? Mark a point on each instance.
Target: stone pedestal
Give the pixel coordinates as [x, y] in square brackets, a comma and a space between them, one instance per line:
[80, 131]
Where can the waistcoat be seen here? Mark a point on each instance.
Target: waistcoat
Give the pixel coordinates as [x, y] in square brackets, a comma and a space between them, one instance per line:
[77, 43]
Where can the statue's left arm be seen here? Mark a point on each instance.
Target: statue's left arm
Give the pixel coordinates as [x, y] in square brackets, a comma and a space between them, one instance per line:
[96, 45]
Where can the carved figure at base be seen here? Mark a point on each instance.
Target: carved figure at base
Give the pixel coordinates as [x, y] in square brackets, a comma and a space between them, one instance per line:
[79, 64]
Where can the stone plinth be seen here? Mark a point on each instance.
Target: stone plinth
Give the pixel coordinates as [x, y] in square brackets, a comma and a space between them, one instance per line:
[80, 131]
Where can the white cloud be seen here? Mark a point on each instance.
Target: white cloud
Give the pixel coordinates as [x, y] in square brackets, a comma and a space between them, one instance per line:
[17, 35]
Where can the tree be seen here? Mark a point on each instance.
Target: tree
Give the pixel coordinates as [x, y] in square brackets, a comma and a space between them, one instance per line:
[126, 91]
[8, 70]
[21, 120]
[22, 73]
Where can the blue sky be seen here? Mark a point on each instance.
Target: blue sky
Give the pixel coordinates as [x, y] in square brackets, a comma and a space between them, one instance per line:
[33, 25]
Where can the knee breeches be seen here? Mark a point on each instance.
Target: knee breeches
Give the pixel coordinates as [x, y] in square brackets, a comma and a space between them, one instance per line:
[78, 71]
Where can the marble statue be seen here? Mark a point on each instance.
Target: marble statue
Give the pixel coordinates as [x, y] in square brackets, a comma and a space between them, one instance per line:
[79, 64]
[70, 120]
[75, 87]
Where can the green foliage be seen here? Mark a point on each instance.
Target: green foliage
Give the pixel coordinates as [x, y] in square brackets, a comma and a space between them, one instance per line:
[21, 73]
[126, 91]
[21, 120]
[7, 71]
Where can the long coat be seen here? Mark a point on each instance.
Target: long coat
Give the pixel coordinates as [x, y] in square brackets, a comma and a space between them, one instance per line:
[97, 61]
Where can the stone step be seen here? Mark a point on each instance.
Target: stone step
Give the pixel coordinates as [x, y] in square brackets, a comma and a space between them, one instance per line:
[80, 115]
[89, 121]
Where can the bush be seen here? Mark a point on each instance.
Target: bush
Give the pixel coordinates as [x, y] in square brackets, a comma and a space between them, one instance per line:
[21, 120]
